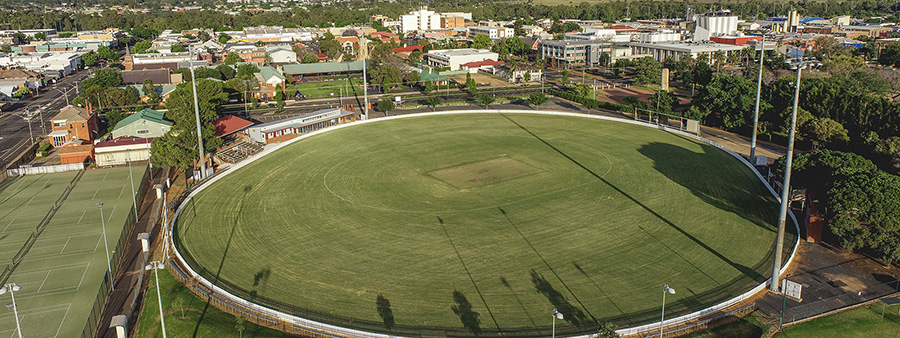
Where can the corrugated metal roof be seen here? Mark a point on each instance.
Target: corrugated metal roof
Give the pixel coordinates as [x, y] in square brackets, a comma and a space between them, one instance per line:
[323, 67]
[146, 114]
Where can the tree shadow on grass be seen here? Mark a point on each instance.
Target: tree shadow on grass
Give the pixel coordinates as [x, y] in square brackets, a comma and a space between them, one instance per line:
[467, 316]
[687, 168]
[383, 306]
[597, 286]
[570, 312]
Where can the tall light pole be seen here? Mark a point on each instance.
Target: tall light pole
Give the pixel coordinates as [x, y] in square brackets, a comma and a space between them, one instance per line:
[662, 318]
[197, 115]
[365, 55]
[155, 266]
[131, 176]
[762, 53]
[556, 315]
[106, 244]
[797, 64]
[13, 287]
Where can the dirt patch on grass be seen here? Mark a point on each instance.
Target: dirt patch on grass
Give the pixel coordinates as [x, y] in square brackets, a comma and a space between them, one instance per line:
[471, 175]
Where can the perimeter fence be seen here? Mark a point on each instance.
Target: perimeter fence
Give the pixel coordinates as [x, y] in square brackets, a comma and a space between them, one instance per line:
[264, 311]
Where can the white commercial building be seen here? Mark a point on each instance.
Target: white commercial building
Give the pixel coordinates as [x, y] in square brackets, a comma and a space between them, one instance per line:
[422, 20]
[715, 24]
[661, 51]
[492, 32]
[453, 58]
[656, 37]
[51, 64]
[605, 35]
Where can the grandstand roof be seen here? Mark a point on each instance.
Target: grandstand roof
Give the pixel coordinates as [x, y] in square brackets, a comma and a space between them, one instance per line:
[323, 67]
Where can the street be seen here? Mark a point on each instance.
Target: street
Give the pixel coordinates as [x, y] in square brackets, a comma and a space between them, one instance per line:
[14, 128]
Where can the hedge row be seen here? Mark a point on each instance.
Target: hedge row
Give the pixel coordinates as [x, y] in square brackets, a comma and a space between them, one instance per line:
[589, 102]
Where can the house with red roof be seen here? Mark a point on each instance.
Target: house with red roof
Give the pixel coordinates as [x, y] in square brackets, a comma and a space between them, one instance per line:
[230, 124]
[386, 37]
[408, 49]
[486, 65]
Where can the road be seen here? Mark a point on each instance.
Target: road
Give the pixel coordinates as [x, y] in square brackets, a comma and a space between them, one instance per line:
[14, 131]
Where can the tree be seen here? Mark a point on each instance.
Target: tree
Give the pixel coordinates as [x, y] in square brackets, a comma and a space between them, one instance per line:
[309, 58]
[647, 71]
[863, 208]
[178, 148]
[150, 91]
[246, 71]
[330, 47]
[178, 49]
[526, 77]
[104, 77]
[825, 130]
[90, 59]
[471, 86]
[415, 56]
[22, 92]
[565, 77]
[843, 65]
[385, 105]
[665, 100]
[482, 41]
[239, 325]
[141, 47]
[411, 78]
[484, 100]
[537, 99]
[729, 101]
[719, 58]
[40, 36]
[107, 54]
[113, 117]
[208, 73]
[386, 76]
[224, 38]
[226, 72]
[434, 101]
[429, 87]
[232, 59]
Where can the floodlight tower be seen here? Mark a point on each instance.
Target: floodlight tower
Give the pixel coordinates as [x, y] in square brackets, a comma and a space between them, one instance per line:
[799, 64]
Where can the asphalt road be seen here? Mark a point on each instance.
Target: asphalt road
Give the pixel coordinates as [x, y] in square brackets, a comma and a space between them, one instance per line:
[14, 131]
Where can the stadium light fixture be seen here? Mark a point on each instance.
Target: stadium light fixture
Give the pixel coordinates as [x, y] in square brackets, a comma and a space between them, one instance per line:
[556, 315]
[106, 243]
[12, 288]
[762, 53]
[662, 318]
[795, 64]
[155, 266]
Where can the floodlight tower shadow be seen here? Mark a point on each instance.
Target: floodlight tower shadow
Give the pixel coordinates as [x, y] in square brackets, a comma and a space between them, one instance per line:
[234, 225]
[743, 269]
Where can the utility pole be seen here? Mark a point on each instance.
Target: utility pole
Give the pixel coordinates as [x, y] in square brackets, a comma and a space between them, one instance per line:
[365, 55]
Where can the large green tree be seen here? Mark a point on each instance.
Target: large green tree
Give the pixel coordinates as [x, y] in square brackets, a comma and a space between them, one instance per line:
[647, 71]
[178, 147]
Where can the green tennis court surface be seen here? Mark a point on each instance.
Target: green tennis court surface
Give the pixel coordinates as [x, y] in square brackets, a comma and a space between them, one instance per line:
[61, 273]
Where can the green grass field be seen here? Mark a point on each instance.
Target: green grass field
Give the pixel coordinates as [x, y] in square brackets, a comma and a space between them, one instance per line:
[487, 222]
[860, 322]
[185, 312]
[61, 274]
[314, 90]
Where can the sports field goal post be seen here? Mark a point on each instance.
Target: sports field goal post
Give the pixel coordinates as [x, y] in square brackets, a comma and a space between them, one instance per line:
[661, 119]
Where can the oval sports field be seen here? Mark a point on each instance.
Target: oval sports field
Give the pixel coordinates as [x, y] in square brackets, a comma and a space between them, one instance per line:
[483, 223]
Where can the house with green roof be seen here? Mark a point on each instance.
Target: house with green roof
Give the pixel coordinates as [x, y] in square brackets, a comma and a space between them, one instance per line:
[270, 80]
[435, 78]
[147, 123]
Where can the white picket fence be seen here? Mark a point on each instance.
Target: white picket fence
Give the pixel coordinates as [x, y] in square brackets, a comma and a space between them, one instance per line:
[337, 331]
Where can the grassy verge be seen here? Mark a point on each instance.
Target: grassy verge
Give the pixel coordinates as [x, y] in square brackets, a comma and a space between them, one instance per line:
[864, 321]
[184, 315]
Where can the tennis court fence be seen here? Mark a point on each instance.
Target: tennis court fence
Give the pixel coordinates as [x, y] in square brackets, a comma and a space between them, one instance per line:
[92, 326]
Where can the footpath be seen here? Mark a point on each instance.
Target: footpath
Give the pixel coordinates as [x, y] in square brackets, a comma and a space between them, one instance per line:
[126, 298]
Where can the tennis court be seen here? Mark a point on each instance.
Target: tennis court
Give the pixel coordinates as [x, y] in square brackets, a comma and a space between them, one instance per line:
[61, 273]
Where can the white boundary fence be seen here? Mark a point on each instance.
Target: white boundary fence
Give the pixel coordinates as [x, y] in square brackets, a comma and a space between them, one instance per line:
[47, 169]
[318, 328]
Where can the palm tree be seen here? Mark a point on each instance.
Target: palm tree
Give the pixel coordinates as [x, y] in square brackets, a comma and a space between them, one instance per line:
[719, 57]
[747, 54]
